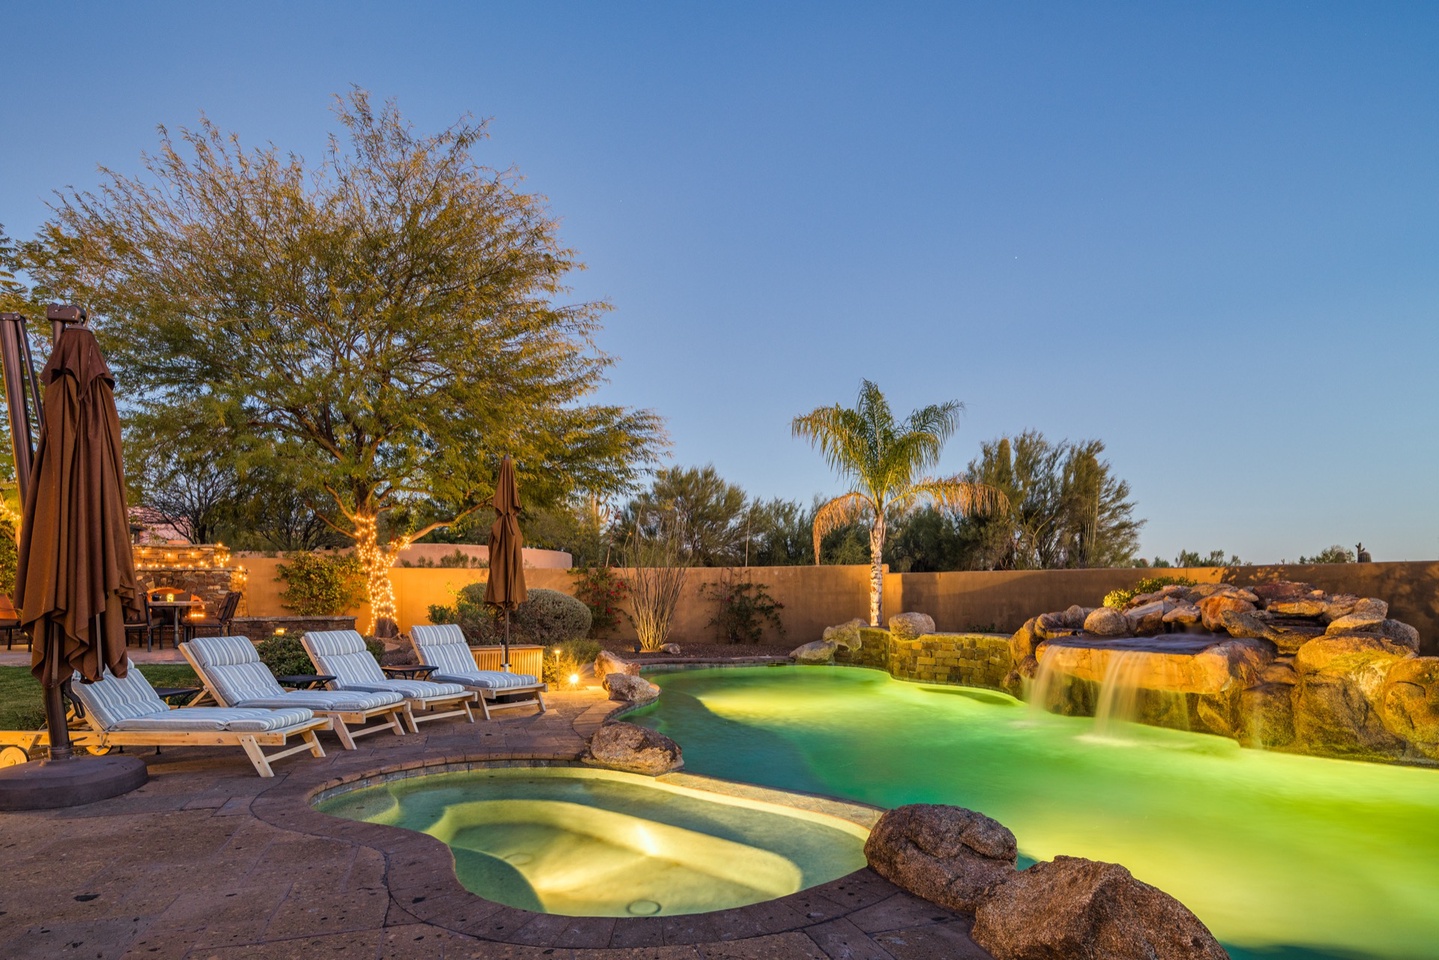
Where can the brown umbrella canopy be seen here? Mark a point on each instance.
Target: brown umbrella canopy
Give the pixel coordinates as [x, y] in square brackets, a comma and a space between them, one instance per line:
[75, 570]
[506, 586]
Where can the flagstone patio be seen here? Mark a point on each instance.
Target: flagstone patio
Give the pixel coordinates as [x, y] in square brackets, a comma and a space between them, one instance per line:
[210, 861]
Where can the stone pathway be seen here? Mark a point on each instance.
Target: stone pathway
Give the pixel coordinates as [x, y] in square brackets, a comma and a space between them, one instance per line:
[210, 862]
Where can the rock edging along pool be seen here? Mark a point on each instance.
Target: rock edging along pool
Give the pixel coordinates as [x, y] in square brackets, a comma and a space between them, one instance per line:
[579, 841]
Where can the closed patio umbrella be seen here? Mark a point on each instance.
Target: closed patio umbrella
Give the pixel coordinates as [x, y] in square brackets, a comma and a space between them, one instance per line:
[75, 576]
[506, 586]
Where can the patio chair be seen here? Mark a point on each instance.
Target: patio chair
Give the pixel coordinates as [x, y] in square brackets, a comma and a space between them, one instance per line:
[127, 712]
[342, 654]
[220, 622]
[144, 626]
[231, 670]
[444, 647]
[10, 621]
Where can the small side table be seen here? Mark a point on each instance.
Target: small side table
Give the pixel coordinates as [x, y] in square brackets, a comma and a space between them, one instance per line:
[305, 681]
[412, 671]
[169, 693]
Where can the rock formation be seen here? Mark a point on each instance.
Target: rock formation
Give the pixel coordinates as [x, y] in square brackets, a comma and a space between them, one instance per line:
[819, 651]
[635, 749]
[628, 688]
[947, 855]
[910, 626]
[1080, 909]
[1285, 666]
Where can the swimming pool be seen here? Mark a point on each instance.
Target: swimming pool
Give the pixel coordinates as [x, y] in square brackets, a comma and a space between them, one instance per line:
[598, 843]
[1282, 856]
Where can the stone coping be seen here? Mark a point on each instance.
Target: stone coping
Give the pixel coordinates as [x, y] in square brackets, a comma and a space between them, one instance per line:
[858, 814]
[421, 879]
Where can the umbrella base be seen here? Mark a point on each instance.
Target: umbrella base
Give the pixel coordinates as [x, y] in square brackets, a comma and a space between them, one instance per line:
[47, 785]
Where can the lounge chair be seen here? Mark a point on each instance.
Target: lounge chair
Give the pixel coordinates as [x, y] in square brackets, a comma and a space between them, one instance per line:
[220, 622]
[342, 654]
[127, 712]
[443, 646]
[232, 672]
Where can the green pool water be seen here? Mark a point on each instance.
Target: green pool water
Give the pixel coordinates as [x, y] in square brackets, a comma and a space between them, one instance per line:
[1282, 856]
[595, 843]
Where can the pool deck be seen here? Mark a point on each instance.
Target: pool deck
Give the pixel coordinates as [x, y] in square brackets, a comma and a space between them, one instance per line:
[210, 862]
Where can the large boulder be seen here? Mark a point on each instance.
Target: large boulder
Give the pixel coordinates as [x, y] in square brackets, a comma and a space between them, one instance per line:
[1075, 909]
[1147, 620]
[1409, 702]
[1299, 606]
[1267, 712]
[1357, 622]
[947, 855]
[636, 749]
[607, 663]
[1106, 622]
[1021, 645]
[1337, 698]
[1349, 654]
[1173, 592]
[1401, 633]
[1287, 634]
[1212, 608]
[628, 688]
[846, 634]
[1061, 623]
[817, 651]
[1183, 614]
[1281, 590]
[910, 626]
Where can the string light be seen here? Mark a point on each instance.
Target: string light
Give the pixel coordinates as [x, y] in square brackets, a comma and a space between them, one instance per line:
[376, 562]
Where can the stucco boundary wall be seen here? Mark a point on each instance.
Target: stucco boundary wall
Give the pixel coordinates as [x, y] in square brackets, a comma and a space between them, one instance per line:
[968, 602]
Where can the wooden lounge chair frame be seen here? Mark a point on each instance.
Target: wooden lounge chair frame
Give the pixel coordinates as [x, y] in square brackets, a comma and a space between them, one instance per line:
[430, 704]
[397, 715]
[430, 646]
[251, 741]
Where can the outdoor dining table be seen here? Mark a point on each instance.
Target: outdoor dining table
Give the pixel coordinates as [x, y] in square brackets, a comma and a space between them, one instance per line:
[173, 608]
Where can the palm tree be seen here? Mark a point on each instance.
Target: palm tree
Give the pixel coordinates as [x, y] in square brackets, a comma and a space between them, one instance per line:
[885, 460]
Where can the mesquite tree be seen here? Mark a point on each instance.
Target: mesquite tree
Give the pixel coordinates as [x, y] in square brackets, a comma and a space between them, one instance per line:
[383, 325]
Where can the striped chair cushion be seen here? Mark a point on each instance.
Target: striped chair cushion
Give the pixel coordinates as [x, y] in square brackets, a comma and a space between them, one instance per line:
[326, 700]
[131, 704]
[343, 655]
[234, 667]
[489, 679]
[113, 700]
[443, 646]
[410, 688]
[231, 719]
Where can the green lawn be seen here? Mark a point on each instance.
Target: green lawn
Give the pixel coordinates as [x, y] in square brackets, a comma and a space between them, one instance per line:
[21, 706]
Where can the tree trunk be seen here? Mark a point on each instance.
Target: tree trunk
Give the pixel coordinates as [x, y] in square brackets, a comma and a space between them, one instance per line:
[376, 562]
[876, 569]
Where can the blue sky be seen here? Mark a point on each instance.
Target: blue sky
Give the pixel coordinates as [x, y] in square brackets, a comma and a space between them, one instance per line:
[1207, 234]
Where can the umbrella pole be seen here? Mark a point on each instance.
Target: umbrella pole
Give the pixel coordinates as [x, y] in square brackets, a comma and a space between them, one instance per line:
[59, 730]
[505, 666]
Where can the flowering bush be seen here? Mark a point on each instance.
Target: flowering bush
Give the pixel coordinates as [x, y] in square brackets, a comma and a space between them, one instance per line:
[744, 609]
[600, 589]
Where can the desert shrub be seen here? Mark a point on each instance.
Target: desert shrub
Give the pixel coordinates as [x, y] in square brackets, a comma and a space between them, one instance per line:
[744, 607]
[655, 554]
[320, 586]
[602, 590]
[285, 656]
[476, 621]
[567, 658]
[1118, 598]
[548, 617]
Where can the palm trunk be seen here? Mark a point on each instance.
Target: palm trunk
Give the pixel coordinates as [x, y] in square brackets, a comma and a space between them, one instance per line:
[876, 570]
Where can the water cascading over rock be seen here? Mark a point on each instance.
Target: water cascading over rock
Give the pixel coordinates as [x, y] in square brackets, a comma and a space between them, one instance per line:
[1279, 665]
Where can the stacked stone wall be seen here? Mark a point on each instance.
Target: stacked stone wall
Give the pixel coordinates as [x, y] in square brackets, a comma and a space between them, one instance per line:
[966, 659]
